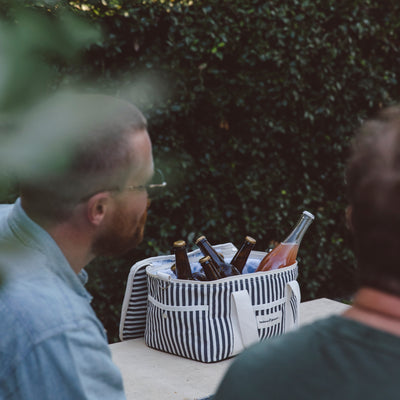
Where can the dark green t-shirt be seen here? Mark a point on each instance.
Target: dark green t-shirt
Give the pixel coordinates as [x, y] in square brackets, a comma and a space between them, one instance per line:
[334, 358]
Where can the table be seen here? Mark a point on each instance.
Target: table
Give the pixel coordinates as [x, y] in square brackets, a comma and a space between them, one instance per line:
[151, 374]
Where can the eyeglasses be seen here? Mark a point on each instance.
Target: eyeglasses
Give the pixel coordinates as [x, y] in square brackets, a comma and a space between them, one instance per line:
[153, 188]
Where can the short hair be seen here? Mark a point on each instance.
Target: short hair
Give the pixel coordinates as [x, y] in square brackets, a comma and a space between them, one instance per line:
[94, 131]
[373, 189]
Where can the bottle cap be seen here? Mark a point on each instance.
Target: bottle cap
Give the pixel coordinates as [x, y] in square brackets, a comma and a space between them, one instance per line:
[204, 259]
[250, 240]
[200, 238]
[308, 214]
[179, 243]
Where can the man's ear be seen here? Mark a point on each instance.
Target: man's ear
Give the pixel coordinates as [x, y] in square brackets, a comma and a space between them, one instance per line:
[349, 223]
[97, 207]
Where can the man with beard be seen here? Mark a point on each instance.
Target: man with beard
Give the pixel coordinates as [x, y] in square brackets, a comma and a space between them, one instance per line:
[93, 201]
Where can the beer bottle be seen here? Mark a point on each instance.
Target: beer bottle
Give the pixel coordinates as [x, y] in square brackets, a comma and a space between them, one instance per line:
[209, 269]
[241, 256]
[224, 269]
[285, 253]
[215, 267]
[182, 265]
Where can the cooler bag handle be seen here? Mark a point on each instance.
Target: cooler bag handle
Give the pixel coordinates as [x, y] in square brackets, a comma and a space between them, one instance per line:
[244, 322]
[293, 296]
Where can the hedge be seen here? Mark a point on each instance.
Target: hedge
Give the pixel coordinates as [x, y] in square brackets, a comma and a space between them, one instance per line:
[251, 107]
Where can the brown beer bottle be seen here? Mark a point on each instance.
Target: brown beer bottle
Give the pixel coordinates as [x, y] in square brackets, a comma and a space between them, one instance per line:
[216, 269]
[209, 269]
[241, 256]
[182, 265]
[285, 253]
[224, 269]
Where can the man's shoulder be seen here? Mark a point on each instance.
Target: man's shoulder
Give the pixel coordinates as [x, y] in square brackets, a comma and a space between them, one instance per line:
[34, 312]
[39, 306]
[5, 210]
[274, 366]
[297, 364]
[299, 347]
[294, 344]
[51, 336]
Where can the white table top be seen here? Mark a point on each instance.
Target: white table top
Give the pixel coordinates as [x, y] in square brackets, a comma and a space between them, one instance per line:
[151, 374]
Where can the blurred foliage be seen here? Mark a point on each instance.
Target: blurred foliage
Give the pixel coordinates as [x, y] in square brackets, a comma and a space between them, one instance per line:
[251, 106]
[37, 40]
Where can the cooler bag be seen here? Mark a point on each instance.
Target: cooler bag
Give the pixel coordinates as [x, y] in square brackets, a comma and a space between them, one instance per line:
[208, 321]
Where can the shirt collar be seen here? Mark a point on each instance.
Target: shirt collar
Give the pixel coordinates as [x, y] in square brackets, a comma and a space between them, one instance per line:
[34, 236]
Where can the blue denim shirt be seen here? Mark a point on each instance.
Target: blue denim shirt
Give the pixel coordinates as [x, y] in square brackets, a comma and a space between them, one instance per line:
[52, 345]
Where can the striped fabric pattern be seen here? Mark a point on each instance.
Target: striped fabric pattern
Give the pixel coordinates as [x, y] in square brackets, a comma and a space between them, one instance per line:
[133, 318]
[134, 307]
[193, 319]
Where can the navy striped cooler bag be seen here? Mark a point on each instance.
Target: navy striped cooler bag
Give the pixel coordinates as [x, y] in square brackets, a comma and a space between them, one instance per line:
[208, 321]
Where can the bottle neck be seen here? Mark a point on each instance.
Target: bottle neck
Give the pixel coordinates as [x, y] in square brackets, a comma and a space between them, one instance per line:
[299, 230]
[208, 250]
